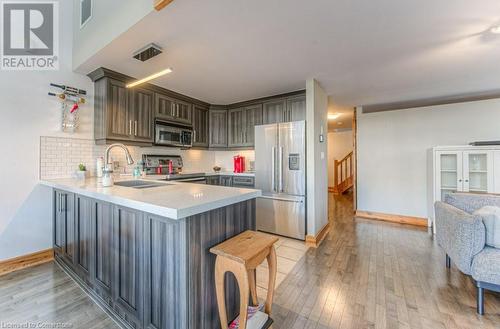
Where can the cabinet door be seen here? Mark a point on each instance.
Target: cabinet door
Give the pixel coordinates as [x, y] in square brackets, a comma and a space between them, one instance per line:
[478, 171]
[119, 121]
[295, 108]
[83, 237]
[253, 117]
[141, 114]
[218, 128]
[183, 113]
[127, 261]
[59, 230]
[165, 107]
[213, 180]
[274, 111]
[200, 126]
[448, 173]
[64, 227]
[226, 180]
[103, 245]
[236, 127]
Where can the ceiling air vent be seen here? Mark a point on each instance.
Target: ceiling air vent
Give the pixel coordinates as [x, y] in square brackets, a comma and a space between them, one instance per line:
[85, 12]
[147, 52]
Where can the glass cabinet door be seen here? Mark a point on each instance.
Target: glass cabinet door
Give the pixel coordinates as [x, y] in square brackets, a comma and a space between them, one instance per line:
[449, 173]
[477, 171]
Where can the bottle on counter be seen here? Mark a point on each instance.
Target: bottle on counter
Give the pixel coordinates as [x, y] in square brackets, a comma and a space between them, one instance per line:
[107, 176]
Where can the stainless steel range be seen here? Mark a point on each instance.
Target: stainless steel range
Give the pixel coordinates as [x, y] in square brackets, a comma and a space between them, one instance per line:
[171, 167]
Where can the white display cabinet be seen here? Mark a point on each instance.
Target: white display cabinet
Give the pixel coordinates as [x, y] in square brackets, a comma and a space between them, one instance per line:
[474, 169]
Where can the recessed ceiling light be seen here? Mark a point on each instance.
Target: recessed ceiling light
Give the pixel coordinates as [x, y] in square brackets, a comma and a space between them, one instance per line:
[149, 78]
[339, 123]
[495, 29]
[333, 116]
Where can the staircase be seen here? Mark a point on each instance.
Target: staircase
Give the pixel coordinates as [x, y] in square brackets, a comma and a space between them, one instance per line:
[343, 174]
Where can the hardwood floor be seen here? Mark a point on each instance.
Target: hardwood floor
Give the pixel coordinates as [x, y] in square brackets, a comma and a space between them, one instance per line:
[370, 274]
[366, 274]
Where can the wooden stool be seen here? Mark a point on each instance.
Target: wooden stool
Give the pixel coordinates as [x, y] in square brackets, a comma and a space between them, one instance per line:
[241, 255]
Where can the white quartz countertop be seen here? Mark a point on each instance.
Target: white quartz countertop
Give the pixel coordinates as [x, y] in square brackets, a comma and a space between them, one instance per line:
[175, 200]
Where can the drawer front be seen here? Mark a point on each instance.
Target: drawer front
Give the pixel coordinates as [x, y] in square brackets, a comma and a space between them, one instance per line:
[243, 181]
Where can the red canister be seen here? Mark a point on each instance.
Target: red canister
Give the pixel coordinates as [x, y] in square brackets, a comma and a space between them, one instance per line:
[239, 164]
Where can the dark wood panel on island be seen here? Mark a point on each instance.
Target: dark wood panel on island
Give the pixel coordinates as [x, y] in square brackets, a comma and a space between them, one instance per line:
[147, 271]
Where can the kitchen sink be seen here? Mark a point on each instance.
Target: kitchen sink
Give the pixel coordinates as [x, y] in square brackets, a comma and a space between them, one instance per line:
[140, 184]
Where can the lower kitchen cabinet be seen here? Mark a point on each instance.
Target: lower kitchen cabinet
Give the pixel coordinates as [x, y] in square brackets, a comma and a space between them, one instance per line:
[147, 271]
[226, 180]
[127, 256]
[83, 237]
[64, 227]
[213, 180]
[102, 241]
[243, 181]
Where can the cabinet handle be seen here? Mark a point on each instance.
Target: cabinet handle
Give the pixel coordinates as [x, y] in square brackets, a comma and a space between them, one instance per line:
[135, 127]
[130, 127]
[466, 180]
[59, 209]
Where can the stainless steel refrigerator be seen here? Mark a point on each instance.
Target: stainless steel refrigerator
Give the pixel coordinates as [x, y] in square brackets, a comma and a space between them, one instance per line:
[280, 172]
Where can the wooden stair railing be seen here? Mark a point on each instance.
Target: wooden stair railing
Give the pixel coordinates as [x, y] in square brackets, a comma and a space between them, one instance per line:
[343, 174]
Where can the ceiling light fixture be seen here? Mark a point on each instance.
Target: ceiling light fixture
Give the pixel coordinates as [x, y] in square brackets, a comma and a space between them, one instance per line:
[149, 78]
[495, 29]
[333, 116]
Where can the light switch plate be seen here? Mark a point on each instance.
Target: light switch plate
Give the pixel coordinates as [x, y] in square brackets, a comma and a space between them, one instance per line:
[322, 154]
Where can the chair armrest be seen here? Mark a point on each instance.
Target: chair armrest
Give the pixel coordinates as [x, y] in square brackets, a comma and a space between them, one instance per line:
[461, 235]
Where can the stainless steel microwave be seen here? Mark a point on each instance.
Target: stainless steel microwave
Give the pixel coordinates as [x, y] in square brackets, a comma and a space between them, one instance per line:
[167, 134]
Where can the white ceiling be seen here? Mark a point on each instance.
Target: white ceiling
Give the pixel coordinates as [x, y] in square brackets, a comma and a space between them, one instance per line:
[361, 52]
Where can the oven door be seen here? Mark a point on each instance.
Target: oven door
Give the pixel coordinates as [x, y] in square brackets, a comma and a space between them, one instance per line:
[168, 135]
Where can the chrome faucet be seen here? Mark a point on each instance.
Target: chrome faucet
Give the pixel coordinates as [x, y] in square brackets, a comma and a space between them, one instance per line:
[123, 147]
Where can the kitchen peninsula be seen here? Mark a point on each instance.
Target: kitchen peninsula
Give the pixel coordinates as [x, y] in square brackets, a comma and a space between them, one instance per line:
[143, 253]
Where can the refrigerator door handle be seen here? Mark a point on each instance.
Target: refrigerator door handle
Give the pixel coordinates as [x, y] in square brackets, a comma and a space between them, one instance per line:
[281, 169]
[273, 169]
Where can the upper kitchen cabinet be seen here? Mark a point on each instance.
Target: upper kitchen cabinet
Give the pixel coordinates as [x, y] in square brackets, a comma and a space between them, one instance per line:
[242, 122]
[218, 128]
[200, 126]
[171, 109]
[287, 109]
[121, 114]
[296, 108]
[127, 115]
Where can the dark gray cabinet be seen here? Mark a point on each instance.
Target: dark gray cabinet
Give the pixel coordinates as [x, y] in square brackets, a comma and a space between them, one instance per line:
[121, 114]
[64, 227]
[213, 180]
[127, 263]
[273, 111]
[83, 237]
[226, 180]
[141, 114]
[242, 122]
[200, 126]
[218, 128]
[296, 108]
[285, 109]
[171, 109]
[243, 181]
[102, 236]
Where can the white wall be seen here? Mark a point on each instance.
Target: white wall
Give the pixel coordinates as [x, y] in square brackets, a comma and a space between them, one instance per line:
[317, 168]
[27, 114]
[110, 18]
[392, 150]
[339, 145]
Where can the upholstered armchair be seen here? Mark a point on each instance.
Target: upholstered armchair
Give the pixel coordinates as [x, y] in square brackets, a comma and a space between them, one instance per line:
[461, 232]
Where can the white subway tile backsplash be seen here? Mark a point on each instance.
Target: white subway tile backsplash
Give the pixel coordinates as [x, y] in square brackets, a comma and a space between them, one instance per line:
[60, 157]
